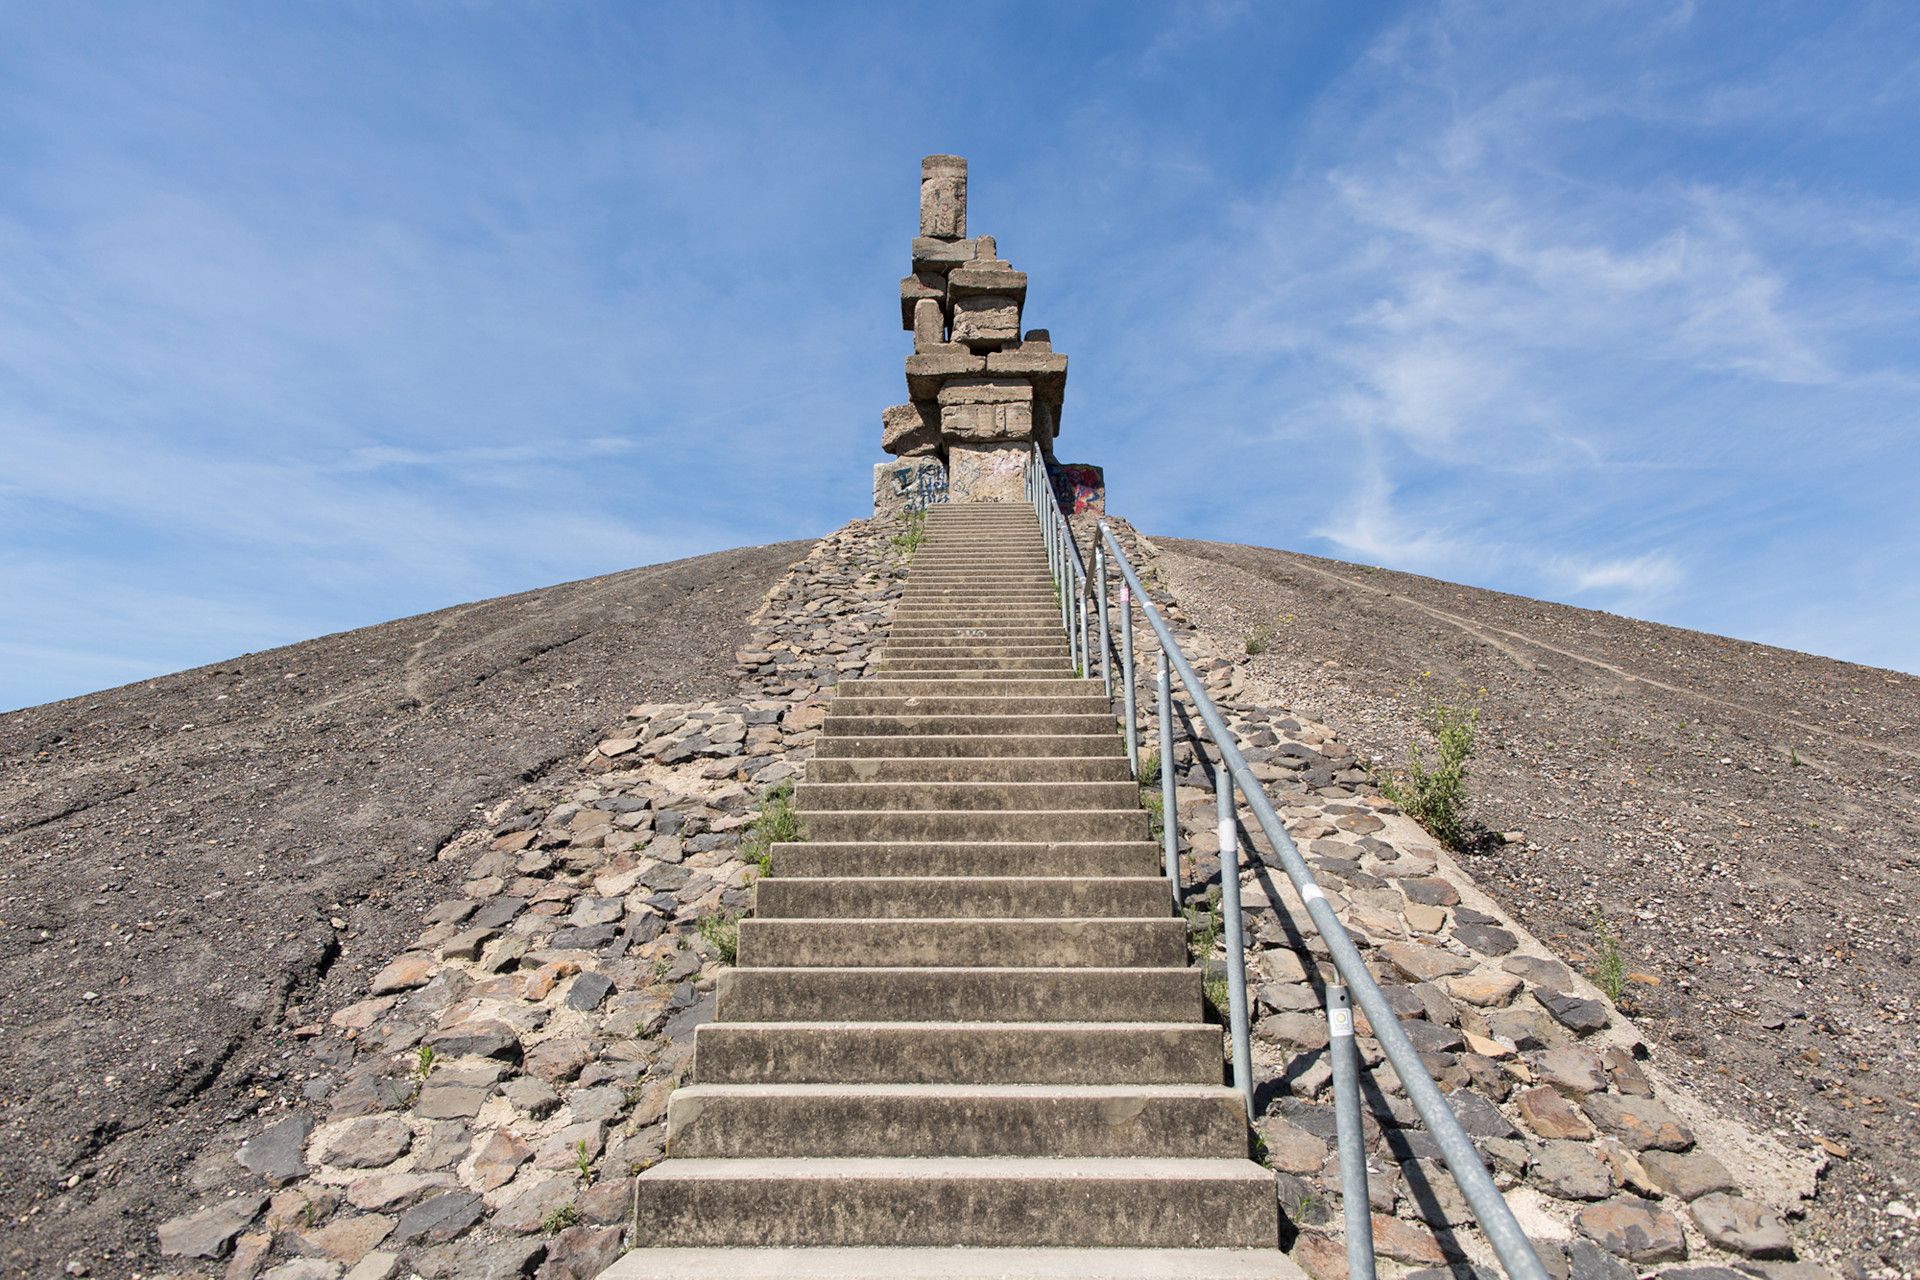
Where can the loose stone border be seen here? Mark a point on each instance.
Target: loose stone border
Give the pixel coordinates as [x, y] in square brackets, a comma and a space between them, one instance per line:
[483, 1110]
[1608, 1161]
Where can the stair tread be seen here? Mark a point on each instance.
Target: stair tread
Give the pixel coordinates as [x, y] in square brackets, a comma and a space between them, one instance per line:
[953, 1263]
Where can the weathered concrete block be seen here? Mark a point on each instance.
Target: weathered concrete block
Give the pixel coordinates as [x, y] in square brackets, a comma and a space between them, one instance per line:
[914, 288]
[986, 410]
[911, 430]
[928, 371]
[943, 197]
[987, 473]
[942, 256]
[910, 484]
[987, 321]
[979, 279]
[1037, 362]
[929, 325]
[1079, 487]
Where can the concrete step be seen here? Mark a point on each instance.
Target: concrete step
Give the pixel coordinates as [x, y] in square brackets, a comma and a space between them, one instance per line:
[968, 659]
[1111, 768]
[975, 745]
[1001, 1201]
[749, 1121]
[811, 797]
[958, 1053]
[1058, 942]
[934, 724]
[960, 897]
[855, 702]
[962, 994]
[929, 669]
[990, 825]
[936, 635]
[953, 1264]
[968, 686]
[839, 859]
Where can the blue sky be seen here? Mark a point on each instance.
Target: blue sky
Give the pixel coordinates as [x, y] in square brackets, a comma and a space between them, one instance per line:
[314, 316]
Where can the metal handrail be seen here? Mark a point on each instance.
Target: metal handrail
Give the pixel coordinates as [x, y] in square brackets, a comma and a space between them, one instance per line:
[1489, 1207]
[1063, 559]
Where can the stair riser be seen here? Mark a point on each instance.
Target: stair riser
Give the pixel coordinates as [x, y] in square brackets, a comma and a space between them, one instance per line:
[1110, 858]
[964, 747]
[1046, 666]
[966, 687]
[935, 1211]
[879, 825]
[996, 797]
[885, 944]
[937, 725]
[748, 1125]
[902, 1053]
[1079, 704]
[1013, 769]
[955, 897]
[959, 995]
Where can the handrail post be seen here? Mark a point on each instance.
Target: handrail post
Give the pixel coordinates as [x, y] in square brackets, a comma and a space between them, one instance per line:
[1353, 1145]
[1106, 624]
[1169, 816]
[1126, 678]
[1235, 936]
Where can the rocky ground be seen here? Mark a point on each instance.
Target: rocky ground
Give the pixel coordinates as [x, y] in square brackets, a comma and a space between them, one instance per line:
[195, 870]
[1745, 819]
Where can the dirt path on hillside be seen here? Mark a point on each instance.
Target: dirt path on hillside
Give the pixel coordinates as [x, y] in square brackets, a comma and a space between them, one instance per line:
[1746, 818]
[194, 867]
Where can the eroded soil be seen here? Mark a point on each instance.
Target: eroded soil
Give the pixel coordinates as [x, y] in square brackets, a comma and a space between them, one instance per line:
[1746, 819]
[193, 865]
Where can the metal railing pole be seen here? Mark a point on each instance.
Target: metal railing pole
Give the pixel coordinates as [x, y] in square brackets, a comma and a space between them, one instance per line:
[1106, 624]
[1490, 1208]
[1126, 679]
[1353, 1143]
[1169, 816]
[1236, 937]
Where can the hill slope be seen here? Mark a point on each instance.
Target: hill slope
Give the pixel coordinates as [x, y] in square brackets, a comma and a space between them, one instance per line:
[1746, 818]
[172, 855]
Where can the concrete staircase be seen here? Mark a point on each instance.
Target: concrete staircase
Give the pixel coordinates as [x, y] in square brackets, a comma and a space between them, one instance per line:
[962, 1037]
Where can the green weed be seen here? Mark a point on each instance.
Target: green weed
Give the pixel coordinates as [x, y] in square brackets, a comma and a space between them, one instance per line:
[1436, 796]
[1259, 640]
[912, 533]
[776, 823]
[722, 933]
[1609, 966]
[560, 1219]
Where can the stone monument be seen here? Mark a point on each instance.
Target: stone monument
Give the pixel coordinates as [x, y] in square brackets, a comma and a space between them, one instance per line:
[980, 394]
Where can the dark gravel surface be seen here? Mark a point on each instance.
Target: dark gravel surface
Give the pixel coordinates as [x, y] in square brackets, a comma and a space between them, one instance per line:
[1746, 818]
[173, 855]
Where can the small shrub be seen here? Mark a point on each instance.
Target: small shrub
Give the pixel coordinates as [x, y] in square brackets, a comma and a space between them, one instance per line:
[582, 1162]
[1609, 966]
[1436, 796]
[776, 823]
[423, 1062]
[560, 1219]
[722, 933]
[913, 532]
[1259, 640]
[1204, 926]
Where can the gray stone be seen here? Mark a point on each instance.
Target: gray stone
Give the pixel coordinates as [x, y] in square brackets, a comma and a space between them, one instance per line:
[986, 321]
[209, 1232]
[1480, 1118]
[303, 1269]
[911, 430]
[1688, 1175]
[1574, 1069]
[445, 1100]
[1741, 1226]
[1571, 1171]
[1486, 939]
[1539, 972]
[278, 1152]
[367, 1143]
[478, 1037]
[438, 1219]
[588, 990]
[1633, 1229]
[1577, 1013]
[581, 1252]
[1422, 963]
[1588, 1261]
[1430, 891]
[1642, 1123]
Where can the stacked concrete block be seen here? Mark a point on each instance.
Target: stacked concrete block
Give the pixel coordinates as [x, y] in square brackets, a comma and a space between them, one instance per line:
[982, 395]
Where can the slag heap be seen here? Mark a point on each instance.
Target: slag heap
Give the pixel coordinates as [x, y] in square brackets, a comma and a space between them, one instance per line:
[981, 393]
